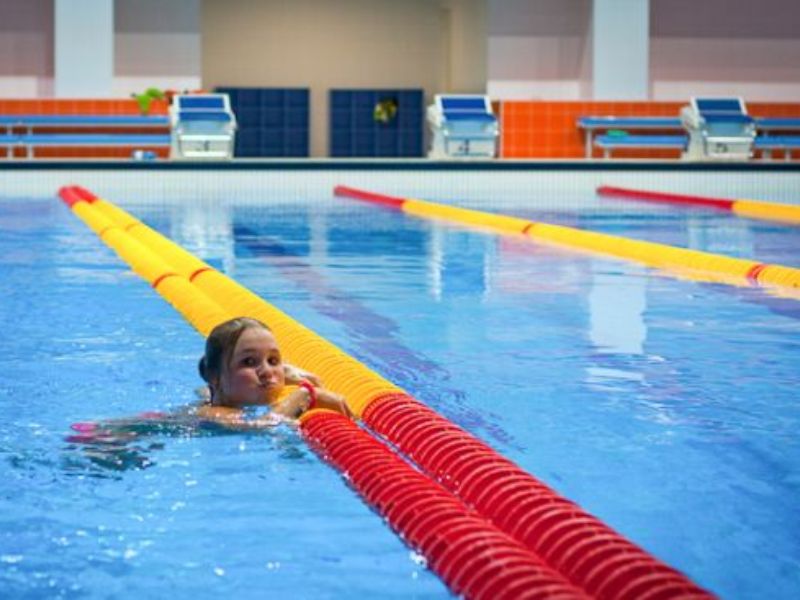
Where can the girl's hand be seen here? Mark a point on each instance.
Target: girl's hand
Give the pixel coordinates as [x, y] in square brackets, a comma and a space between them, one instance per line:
[331, 401]
[295, 375]
[298, 401]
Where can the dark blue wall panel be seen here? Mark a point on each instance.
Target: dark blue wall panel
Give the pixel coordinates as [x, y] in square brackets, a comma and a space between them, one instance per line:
[272, 121]
[355, 132]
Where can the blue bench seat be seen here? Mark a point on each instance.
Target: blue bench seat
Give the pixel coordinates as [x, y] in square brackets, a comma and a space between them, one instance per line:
[94, 139]
[767, 140]
[590, 125]
[610, 142]
[32, 140]
[629, 122]
[767, 144]
[777, 141]
[766, 124]
[84, 120]
[31, 131]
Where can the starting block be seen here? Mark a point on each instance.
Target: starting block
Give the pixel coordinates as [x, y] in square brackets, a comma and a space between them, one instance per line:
[719, 129]
[462, 126]
[203, 127]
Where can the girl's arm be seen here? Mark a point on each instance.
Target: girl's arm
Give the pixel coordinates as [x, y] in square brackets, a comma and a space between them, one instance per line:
[233, 418]
[298, 401]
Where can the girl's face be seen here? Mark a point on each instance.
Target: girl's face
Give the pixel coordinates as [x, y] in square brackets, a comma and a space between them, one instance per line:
[255, 373]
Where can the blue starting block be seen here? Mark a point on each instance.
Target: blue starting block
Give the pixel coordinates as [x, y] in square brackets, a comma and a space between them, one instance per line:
[719, 129]
[462, 126]
[203, 127]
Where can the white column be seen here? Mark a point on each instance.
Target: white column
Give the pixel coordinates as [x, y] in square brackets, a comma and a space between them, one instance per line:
[621, 44]
[84, 48]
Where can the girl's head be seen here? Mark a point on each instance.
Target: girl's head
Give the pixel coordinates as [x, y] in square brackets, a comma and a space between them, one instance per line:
[242, 364]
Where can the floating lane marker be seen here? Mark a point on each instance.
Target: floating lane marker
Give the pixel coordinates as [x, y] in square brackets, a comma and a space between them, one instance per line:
[768, 211]
[681, 262]
[472, 556]
[488, 528]
[199, 309]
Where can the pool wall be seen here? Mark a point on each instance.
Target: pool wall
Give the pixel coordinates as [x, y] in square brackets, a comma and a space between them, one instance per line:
[550, 184]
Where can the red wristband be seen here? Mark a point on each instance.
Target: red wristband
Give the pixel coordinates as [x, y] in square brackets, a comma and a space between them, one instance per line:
[312, 393]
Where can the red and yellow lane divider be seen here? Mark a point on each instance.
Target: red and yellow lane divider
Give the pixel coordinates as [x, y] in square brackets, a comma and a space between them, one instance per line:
[682, 262]
[306, 349]
[517, 538]
[579, 546]
[471, 555]
[199, 309]
[475, 559]
[769, 211]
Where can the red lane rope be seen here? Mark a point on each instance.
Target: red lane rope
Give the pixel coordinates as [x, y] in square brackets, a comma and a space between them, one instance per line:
[86, 194]
[571, 541]
[618, 192]
[391, 201]
[70, 196]
[472, 556]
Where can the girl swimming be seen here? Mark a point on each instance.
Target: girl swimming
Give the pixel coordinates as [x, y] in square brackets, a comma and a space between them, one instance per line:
[243, 367]
[244, 370]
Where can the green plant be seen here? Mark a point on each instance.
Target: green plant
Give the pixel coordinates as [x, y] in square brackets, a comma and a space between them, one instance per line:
[145, 99]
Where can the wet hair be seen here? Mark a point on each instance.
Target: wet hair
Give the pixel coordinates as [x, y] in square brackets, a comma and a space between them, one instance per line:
[220, 345]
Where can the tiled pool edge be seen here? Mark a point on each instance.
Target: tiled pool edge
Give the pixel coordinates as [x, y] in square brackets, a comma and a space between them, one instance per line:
[451, 181]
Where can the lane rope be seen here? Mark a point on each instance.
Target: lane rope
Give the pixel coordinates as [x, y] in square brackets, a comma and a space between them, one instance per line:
[769, 211]
[594, 559]
[679, 262]
[431, 519]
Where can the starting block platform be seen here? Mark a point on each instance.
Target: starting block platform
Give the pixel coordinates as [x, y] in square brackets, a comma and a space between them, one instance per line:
[462, 126]
[203, 127]
[719, 129]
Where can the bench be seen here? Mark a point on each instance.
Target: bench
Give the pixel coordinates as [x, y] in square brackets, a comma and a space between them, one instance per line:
[769, 124]
[769, 129]
[767, 141]
[590, 125]
[786, 143]
[610, 142]
[26, 131]
[31, 122]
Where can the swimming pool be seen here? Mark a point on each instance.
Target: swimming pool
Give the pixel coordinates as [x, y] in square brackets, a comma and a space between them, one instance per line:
[664, 407]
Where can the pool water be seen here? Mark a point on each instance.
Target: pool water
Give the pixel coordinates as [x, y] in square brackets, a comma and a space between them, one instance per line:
[665, 407]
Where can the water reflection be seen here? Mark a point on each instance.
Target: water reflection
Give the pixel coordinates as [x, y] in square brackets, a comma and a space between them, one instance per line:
[378, 337]
[616, 328]
[617, 303]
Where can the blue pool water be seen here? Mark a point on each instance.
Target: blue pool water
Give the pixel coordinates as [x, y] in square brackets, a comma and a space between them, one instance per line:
[665, 407]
